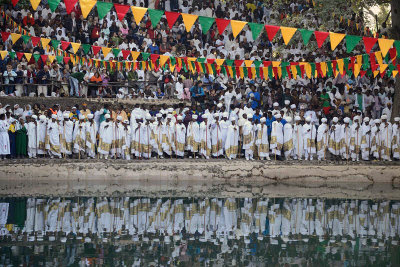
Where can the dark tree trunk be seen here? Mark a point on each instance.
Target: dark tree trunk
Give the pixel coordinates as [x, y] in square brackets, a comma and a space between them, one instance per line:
[396, 35]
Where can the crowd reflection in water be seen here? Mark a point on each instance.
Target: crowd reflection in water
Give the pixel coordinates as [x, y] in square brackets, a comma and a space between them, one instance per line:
[129, 231]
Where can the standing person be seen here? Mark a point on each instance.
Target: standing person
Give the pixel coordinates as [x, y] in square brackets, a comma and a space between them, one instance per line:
[396, 139]
[193, 137]
[262, 139]
[180, 137]
[322, 140]
[43, 78]
[9, 79]
[288, 138]
[386, 138]
[67, 134]
[232, 140]
[249, 129]
[106, 136]
[346, 136]
[32, 136]
[126, 143]
[298, 139]
[53, 140]
[365, 139]
[216, 137]
[335, 136]
[91, 132]
[277, 136]
[157, 136]
[309, 135]
[12, 134]
[355, 141]
[21, 139]
[376, 140]
[41, 135]
[4, 138]
[205, 146]
[79, 136]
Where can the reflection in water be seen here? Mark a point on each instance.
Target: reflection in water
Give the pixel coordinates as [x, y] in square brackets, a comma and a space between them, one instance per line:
[141, 231]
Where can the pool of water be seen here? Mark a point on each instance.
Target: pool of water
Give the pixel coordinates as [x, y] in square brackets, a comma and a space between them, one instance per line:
[139, 231]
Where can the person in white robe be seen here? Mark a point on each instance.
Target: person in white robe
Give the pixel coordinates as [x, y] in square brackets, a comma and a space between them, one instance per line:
[157, 135]
[106, 136]
[249, 136]
[356, 137]
[126, 140]
[365, 139]
[288, 139]
[168, 134]
[335, 136]
[193, 139]
[277, 136]
[79, 136]
[396, 138]
[386, 138]
[91, 133]
[67, 136]
[53, 137]
[223, 125]
[322, 139]
[4, 138]
[216, 137]
[180, 132]
[32, 137]
[232, 140]
[262, 140]
[143, 134]
[41, 135]
[309, 135]
[376, 140]
[205, 133]
[345, 142]
[298, 139]
[119, 137]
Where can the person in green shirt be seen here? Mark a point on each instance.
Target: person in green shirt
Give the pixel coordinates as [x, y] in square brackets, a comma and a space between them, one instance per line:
[359, 99]
[325, 99]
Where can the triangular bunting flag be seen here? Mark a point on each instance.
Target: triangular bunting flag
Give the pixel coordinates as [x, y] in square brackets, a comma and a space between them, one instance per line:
[321, 37]
[66, 60]
[271, 31]
[125, 54]
[51, 58]
[221, 24]
[69, 5]
[86, 48]
[336, 38]
[256, 29]
[75, 47]
[188, 20]
[96, 49]
[64, 45]
[138, 13]
[385, 45]
[28, 56]
[44, 58]
[287, 34]
[163, 59]
[87, 6]
[53, 4]
[205, 23]
[45, 42]
[237, 27]
[14, 2]
[135, 55]
[36, 57]
[219, 61]
[155, 16]
[19, 55]
[5, 35]
[121, 10]
[145, 56]
[15, 37]
[35, 4]
[248, 63]
[171, 18]
[103, 8]
[116, 52]
[105, 50]
[35, 40]
[369, 43]
[352, 41]
[26, 38]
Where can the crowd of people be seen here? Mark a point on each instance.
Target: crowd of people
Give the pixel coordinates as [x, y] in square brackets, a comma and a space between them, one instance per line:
[287, 132]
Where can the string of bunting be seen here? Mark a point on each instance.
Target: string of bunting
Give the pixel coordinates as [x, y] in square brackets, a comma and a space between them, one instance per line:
[237, 26]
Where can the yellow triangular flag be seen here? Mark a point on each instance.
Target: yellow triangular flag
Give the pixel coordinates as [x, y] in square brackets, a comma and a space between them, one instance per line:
[383, 67]
[189, 20]
[357, 68]
[172, 67]
[191, 59]
[219, 61]
[280, 72]
[248, 63]
[230, 71]
[241, 72]
[237, 27]
[28, 56]
[307, 68]
[287, 34]
[3, 54]
[376, 73]
[15, 37]
[105, 51]
[394, 73]
[138, 13]
[336, 38]
[323, 68]
[210, 70]
[75, 47]
[294, 71]
[45, 42]
[135, 55]
[35, 4]
[163, 59]
[379, 58]
[359, 59]
[276, 64]
[253, 72]
[385, 45]
[51, 58]
[340, 64]
[86, 6]
[265, 72]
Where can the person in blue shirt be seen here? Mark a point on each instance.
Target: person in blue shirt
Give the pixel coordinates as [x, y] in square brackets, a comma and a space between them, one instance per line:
[257, 116]
[154, 49]
[197, 92]
[269, 121]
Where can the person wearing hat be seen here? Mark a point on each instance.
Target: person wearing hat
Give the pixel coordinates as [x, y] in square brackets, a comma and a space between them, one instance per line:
[180, 131]
[67, 135]
[277, 136]
[309, 135]
[396, 138]
[232, 140]
[216, 137]
[298, 146]
[157, 131]
[106, 137]
[335, 137]
[286, 108]
[21, 139]
[193, 137]
[85, 111]
[288, 138]
[346, 136]
[41, 135]
[79, 136]
[125, 143]
[4, 138]
[205, 133]
[91, 132]
[365, 139]
[262, 142]
[322, 139]
[355, 141]
[386, 137]
[376, 139]
[168, 135]
[249, 129]
[31, 128]
[53, 142]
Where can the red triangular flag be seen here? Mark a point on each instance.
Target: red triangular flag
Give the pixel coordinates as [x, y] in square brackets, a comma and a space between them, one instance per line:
[20, 55]
[14, 2]
[178, 68]
[35, 40]
[261, 72]
[392, 53]
[44, 58]
[318, 67]
[271, 31]
[237, 72]
[121, 10]
[5, 35]
[275, 71]
[222, 24]
[398, 68]
[289, 73]
[66, 60]
[369, 42]
[69, 5]
[321, 37]
[125, 53]
[210, 60]
[238, 63]
[302, 71]
[171, 18]
[96, 49]
[64, 45]
[154, 57]
[197, 66]
[383, 73]
[362, 73]
[267, 63]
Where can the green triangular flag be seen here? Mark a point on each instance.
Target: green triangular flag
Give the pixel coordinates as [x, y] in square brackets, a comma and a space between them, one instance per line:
[116, 52]
[397, 46]
[59, 59]
[351, 42]
[223, 70]
[155, 16]
[229, 62]
[172, 60]
[298, 70]
[86, 48]
[26, 38]
[103, 8]
[55, 43]
[36, 57]
[234, 72]
[329, 73]
[12, 54]
[270, 73]
[201, 60]
[214, 69]
[53, 4]
[306, 35]
[257, 63]
[245, 73]
[313, 68]
[145, 56]
[255, 29]
[365, 64]
[205, 23]
[258, 72]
